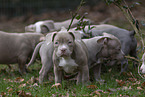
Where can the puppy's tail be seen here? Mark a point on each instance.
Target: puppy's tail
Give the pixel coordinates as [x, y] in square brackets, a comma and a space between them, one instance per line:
[35, 53]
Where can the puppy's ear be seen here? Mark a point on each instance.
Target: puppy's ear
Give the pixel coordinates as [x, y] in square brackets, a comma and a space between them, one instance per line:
[53, 36]
[44, 29]
[42, 38]
[49, 25]
[103, 40]
[72, 34]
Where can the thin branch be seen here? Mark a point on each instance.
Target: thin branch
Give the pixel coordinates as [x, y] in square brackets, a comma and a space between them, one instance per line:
[73, 16]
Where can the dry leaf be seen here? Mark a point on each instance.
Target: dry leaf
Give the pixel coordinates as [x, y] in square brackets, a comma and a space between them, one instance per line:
[136, 83]
[92, 87]
[29, 95]
[100, 90]
[120, 82]
[126, 88]
[19, 79]
[129, 74]
[139, 88]
[3, 94]
[111, 90]
[132, 79]
[96, 93]
[35, 84]
[143, 84]
[57, 85]
[22, 94]
[110, 70]
[9, 80]
[31, 81]
[10, 90]
[22, 85]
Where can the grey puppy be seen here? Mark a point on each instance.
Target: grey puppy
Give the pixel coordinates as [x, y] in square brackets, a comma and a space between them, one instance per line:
[17, 47]
[127, 39]
[100, 49]
[70, 55]
[46, 53]
[49, 25]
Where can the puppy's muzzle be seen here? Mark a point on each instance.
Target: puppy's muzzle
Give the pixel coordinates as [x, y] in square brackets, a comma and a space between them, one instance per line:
[63, 50]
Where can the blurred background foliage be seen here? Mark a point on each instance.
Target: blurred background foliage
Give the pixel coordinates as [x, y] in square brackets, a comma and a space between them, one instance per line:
[16, 14]
[20, 7]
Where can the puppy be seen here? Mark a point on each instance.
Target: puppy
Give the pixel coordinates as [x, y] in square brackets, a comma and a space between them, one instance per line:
[70, 56]
[101, 49]
[17, 48]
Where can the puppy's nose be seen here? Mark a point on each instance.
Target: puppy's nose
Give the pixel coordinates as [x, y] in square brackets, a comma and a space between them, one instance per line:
[63, 50]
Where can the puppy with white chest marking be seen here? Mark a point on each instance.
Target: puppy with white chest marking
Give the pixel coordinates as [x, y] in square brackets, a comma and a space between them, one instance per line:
[70, 55]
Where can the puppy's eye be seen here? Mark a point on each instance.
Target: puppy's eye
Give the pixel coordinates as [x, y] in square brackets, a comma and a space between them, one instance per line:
[56, 42]
[70, 42]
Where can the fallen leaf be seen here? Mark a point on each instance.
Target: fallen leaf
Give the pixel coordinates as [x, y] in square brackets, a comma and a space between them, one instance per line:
[111, 90]
[92, 87]
[126, 88]
[125, 96]
[9, 80]
[10, 90]
[139, 93]
[110, 70]
[143, 84]
[31, 81]
[57, 85]
[3, 94]
[35, 84]
[99, 90]
[139, 88]
[136, 83]
[67, 94]
[129, 74]
[120, 82]
[22, 85]
[22, 94]
[19, 79]
[132, 79]
[96, 93]
[29, 95]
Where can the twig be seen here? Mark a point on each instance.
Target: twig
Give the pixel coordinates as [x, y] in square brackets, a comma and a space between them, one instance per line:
[139, 72]
[133, 58]
[73, 16]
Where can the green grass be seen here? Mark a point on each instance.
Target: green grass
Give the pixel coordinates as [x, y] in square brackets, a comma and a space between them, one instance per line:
[111, 87]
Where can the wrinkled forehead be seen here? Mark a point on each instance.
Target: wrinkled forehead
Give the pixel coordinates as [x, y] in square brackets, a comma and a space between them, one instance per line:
[63, 37]
[114, 43]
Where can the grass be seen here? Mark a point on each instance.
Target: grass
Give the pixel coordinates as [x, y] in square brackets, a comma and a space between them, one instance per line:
[127, 84]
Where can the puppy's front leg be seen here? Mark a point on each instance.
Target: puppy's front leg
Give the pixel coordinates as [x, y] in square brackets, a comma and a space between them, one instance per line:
[58, 74]
[97, 72]
[83, 75]
[79, 77]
